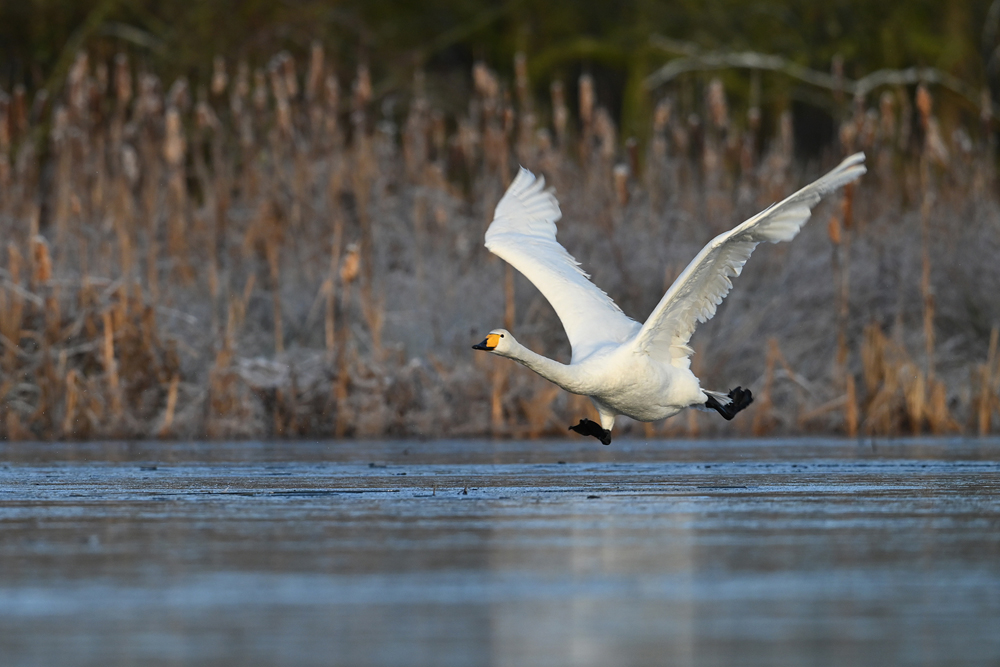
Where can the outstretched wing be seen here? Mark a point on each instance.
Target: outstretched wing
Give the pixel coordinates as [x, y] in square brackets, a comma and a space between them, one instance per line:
[707, 280]
[523, 233]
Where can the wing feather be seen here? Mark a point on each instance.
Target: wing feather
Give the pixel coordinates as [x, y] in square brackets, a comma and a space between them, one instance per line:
[701, 287]
[523, 233]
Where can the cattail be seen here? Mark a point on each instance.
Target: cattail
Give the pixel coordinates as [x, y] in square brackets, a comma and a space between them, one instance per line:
[219, 77]
[72, 398]
[681, 135]
[521, 80]
[851, 408]
[914, 394]
[174, 144]
[873, 355]
[332, 106]
[19, 112]
[279, 88]
[130, 164]
[787, 135]
[661, 115]
[350, 266]
[620, 174]
[869, 129]
[848, 136]
[961, 140]
[39, 106]
[110, 365]
[479, 77]
[887, 117]
[753, 108]
[101, 83]
[924, 105]
[4, 126]
[168, 415]
[179, 95]
[986, 396]
[291, 78]
[362, 88]
[76, 83]
[586, 99]
[661, 120]
[507, 119]
[694, 127]
[632, 152]
[934, 143]
[14, 263]
[833, 230]
[41, 260]
[415, 131]
[259, 90]
[150, 101]
[273, 253]
[205, 117]
[717, 107]
[986, 113]
[439, 133]
[467, 141]
[314, 79]
[485, 82]
[123, 81]
[12, 312]
[607, 135]
[748, 149]
[174, 149]
[241, 88]
[560, 114]
[332, 98]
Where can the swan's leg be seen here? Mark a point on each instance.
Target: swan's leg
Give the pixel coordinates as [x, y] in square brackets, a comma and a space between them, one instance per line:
[588, 427]
[739, 398]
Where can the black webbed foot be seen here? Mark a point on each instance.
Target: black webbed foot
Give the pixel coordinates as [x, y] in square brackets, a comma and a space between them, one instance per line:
[588, 427]
[739, 398]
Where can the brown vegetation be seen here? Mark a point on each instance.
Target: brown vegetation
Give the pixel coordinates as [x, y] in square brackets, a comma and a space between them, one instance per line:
[273, 256]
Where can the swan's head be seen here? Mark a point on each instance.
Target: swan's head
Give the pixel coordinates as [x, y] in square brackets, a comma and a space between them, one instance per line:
[499, 341]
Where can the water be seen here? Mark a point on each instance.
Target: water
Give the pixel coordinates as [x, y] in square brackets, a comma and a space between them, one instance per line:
[473, 553]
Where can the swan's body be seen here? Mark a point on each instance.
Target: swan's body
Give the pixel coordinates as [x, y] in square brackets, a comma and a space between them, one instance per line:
[642, 371]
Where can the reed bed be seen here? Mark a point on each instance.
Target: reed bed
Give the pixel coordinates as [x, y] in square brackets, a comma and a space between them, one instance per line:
[279, 255]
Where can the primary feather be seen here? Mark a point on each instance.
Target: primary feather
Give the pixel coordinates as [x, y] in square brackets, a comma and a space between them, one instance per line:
[701, 287]
[523, 233]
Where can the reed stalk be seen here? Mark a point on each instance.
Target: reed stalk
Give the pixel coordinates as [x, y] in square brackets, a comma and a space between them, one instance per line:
[111, 366]
[141, 228]
[987, 398]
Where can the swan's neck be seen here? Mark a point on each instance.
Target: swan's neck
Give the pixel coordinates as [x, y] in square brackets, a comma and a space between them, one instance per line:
[551, 370]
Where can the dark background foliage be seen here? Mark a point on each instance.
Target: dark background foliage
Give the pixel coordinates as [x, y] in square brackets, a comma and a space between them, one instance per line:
[610, 40]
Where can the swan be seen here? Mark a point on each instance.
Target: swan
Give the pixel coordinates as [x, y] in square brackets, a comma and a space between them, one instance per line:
[642, 371]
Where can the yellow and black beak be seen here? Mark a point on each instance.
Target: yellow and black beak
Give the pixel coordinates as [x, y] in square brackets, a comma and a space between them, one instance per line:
[490, 343]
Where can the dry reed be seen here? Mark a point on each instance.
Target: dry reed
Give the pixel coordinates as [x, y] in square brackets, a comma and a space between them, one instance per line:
[167, 278]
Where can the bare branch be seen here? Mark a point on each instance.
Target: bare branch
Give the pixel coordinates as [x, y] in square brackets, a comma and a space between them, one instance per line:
[694, 61]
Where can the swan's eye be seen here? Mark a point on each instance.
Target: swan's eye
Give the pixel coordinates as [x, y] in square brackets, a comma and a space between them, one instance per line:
[501, 335]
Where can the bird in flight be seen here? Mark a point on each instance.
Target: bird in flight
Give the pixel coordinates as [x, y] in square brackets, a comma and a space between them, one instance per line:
[642, 371]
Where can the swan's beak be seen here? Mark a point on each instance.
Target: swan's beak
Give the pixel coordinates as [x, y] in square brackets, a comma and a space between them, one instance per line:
[490, 343]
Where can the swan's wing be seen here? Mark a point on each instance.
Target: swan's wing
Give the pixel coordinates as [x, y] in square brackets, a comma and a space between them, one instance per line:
[706, 281]
[523, 233]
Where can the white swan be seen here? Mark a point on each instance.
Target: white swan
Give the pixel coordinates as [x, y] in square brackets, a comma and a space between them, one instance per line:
[641, 371]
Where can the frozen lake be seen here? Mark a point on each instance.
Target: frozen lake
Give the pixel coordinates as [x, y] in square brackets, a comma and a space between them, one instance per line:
[790, 552]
